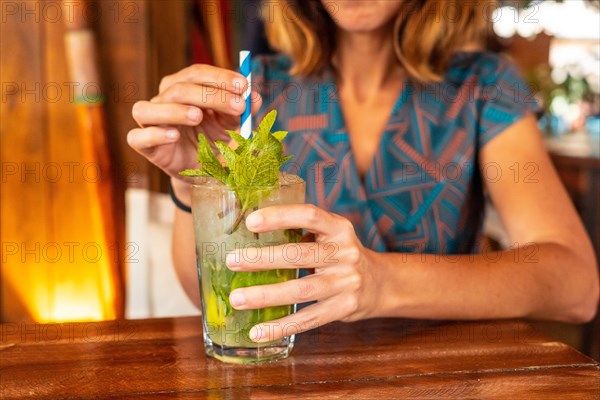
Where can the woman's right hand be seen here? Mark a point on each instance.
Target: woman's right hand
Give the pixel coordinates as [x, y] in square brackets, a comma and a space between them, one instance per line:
[199, 98]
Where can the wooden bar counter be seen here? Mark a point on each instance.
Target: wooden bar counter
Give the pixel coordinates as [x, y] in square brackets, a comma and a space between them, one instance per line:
[376, 359]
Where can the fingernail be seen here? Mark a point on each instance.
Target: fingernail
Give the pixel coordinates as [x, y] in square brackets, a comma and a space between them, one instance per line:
[254, 220]
[172, 134]
[255, 333]
[237, 298]
[232, 260]
[193, 114]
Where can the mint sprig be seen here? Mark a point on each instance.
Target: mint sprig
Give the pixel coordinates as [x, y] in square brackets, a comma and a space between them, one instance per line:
[250, 169]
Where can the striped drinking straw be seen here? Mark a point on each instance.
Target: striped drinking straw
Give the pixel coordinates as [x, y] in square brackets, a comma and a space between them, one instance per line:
[246, 119]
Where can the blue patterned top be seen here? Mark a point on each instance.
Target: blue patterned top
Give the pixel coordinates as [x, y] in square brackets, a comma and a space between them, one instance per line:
[423, 191]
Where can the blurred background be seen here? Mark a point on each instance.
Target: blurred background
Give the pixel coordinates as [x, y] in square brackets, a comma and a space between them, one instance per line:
[85, 222]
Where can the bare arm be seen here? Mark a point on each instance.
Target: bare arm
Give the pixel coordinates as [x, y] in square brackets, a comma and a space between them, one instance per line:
[551, 271]
[182, 249]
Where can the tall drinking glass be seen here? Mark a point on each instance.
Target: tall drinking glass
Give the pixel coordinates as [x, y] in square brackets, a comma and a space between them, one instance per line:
[219, 227]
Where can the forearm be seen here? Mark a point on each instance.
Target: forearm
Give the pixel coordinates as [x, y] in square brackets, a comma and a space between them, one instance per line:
[546, 281]
[183, 250]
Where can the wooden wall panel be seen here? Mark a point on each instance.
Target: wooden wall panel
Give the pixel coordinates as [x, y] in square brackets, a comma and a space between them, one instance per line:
[144, 41]
[138, 42]
[168, 52]
[95, 282]
[23, 154]
[122, 37]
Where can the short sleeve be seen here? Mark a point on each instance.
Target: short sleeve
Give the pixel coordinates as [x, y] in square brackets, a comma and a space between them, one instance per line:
[504, 98]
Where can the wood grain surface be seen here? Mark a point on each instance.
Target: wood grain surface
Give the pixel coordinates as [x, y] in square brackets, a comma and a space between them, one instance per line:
[370, 359]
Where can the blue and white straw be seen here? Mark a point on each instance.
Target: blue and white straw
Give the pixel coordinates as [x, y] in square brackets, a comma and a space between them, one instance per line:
[246, 119]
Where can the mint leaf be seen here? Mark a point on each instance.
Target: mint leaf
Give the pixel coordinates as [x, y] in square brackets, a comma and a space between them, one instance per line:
[228, 154]
[263, 132]
[209, 160]
[194, 172]
[280, 135]
[252, 173]
[221, 278]
[239, 139]
[253, 166]
[265, 126]
[209, 164]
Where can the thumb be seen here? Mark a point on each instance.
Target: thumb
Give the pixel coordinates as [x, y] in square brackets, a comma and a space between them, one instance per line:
[256, 101]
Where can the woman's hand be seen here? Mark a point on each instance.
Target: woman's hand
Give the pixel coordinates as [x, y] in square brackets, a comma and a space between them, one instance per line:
[344, 283]
[200, 98]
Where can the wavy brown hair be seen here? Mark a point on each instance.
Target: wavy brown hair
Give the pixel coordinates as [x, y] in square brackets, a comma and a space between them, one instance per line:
[425, 33]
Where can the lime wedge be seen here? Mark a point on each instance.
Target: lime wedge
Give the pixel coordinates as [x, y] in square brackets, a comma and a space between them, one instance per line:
[215, 311]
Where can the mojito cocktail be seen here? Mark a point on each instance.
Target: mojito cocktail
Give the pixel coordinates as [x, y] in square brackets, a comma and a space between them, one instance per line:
[219, 226]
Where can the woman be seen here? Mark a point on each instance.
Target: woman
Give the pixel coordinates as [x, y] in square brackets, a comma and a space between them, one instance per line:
[392, 100]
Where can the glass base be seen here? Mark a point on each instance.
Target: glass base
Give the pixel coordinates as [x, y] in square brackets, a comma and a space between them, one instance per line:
[250, 355]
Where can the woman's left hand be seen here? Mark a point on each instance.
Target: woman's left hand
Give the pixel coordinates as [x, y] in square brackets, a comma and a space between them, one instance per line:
[344, 283]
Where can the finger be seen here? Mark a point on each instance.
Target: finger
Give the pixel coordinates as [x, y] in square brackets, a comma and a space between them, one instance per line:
[207, 75]
[256, 101]
[146, 138]
[228, 121]
[233, 121]
[286, 256]
[203, 97]
[308, 318]
[290, 216]
[295, 291]
[146, 113]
